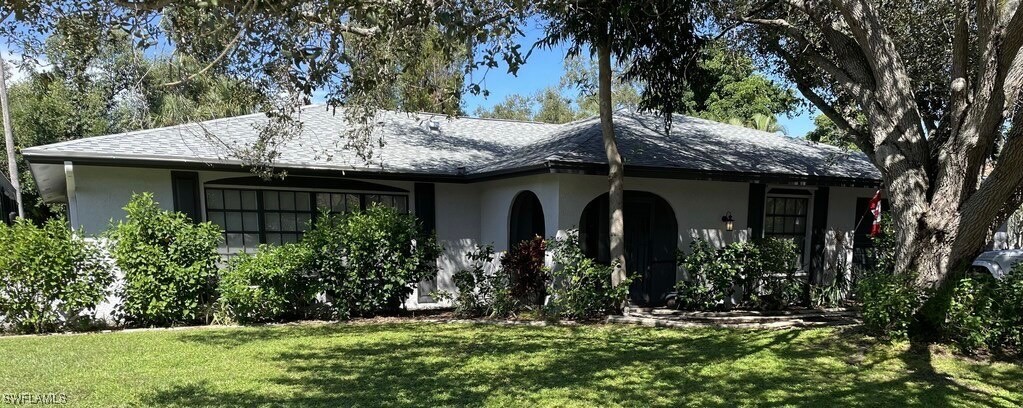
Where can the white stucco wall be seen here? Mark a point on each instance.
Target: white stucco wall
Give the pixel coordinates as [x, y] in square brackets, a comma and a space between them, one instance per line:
[102, 192]
[458, 231]
[496, 198]
[698, 205]
[842, 219]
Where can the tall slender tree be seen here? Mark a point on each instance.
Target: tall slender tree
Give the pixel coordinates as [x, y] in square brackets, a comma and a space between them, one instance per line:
[12, 167]
[656, 41]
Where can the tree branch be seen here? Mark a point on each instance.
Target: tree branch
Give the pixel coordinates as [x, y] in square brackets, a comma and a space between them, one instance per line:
[809, 51]
[977, 119]
[223, 53]
[960, 63]
[861, 139]
[998, 188]
[146, 5]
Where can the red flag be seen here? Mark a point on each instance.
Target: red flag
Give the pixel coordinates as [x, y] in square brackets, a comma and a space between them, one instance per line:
[875, 209]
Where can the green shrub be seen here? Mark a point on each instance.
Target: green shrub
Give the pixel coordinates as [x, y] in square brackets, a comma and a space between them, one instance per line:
[524, 265]
[889, 302]
[763, 272]
[480, 293]
[985, 313]
[169, 265]
[270, 286]
[370, 261]
[711, 281]
[775, 286]
[580, 286]
[49, 276]
[1009, 309]
[970, 320]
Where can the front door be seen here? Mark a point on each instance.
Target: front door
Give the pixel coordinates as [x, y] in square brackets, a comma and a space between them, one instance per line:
[651, 237]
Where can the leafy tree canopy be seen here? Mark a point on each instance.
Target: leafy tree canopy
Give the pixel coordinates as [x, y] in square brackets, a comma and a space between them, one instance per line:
[825, 131]
[353, 54]
[732, 92]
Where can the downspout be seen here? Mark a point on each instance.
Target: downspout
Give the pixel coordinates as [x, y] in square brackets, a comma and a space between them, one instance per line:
[72, 198]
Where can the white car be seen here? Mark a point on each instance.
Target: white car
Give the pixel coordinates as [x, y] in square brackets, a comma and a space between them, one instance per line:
[998, 263]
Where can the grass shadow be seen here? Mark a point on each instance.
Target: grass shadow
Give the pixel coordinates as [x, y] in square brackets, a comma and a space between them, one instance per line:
[458, 365]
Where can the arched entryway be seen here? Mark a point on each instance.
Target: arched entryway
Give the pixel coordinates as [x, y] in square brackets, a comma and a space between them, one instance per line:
[651, 240]
[526, 218]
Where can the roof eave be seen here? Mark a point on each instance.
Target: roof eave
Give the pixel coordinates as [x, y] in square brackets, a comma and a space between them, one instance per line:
[715, 175]
[552, 166]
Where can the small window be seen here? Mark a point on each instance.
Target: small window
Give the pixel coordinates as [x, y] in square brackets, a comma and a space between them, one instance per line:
[786, 218]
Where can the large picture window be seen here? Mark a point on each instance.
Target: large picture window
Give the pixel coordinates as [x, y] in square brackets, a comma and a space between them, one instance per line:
[249, 217]
[785, 217]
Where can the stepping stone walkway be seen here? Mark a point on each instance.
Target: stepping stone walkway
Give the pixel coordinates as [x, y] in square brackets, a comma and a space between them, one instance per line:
[740, 319]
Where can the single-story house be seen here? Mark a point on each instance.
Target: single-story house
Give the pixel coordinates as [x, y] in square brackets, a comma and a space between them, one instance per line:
[479, 181]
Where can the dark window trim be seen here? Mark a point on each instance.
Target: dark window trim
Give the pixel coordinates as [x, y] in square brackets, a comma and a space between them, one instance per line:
[789, 192]
[785, 215]
[261, 212]
[305, 183]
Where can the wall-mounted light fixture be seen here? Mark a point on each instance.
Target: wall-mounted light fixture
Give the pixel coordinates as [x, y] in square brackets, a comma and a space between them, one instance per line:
[729, 222]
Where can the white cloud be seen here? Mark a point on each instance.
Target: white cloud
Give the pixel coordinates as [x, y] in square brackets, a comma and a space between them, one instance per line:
[13, 59]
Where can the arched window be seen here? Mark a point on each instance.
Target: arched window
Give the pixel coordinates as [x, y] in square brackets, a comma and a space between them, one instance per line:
[526, 219]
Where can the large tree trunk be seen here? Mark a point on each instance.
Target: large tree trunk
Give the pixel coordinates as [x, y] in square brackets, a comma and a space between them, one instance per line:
[616, 173]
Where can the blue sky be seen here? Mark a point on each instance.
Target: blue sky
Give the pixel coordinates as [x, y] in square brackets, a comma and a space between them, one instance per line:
[545, 67]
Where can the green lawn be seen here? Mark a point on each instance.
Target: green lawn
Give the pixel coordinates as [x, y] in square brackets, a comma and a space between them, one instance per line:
[425, 365]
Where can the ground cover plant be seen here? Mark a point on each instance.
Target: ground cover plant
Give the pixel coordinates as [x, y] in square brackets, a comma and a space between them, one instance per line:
[423, 364]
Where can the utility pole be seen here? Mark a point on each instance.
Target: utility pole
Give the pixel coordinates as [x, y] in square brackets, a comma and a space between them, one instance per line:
[12, 165]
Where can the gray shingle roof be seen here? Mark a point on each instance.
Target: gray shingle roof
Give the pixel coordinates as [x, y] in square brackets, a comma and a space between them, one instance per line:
[479, 145]
[693, 144]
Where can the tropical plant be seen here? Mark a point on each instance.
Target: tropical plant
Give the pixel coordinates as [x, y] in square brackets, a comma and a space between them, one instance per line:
[481, 291]
[524, 264]
[580, 287]
[889, 302]
[747, 274]
[970, 320]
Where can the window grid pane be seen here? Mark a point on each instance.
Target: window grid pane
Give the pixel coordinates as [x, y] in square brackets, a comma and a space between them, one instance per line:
[283, 215]
[786, 219]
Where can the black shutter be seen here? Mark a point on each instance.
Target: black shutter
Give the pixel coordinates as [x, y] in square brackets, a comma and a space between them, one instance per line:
[818, 232]
[757, 197]
[185, 185]
[426, 207]
[426, 212]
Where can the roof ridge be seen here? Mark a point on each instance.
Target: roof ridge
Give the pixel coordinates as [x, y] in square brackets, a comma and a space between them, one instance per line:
[781, 136]
[138, 131]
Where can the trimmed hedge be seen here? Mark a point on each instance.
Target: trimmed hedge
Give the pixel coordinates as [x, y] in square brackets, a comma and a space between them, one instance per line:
[49, 277]
[271, 286]
[370, 261]
[169, 265]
